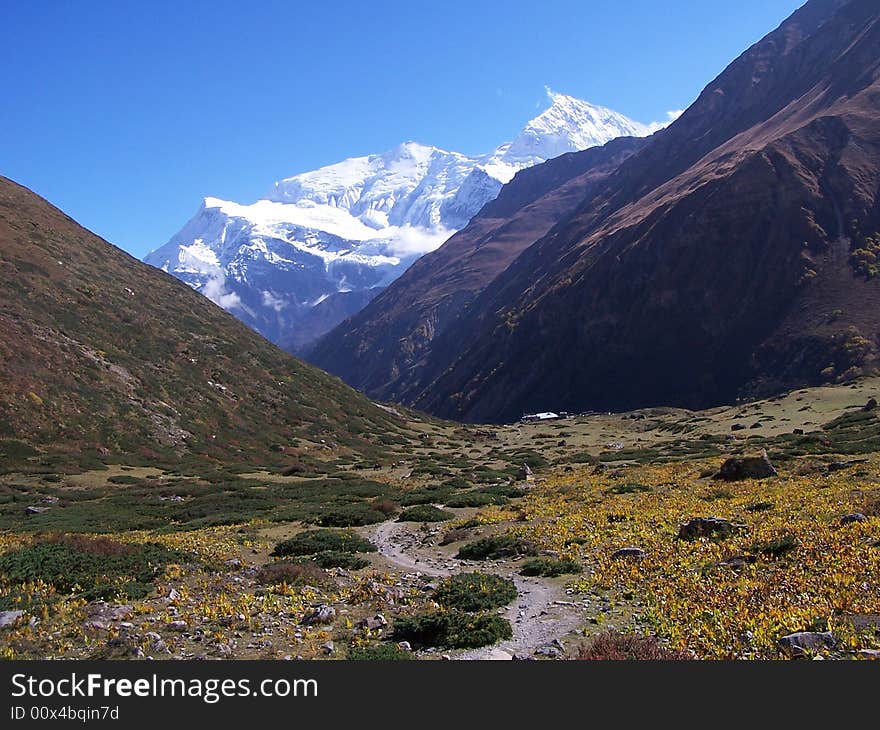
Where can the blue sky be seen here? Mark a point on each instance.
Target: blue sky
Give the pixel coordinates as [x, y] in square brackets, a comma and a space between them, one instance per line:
[126, 114]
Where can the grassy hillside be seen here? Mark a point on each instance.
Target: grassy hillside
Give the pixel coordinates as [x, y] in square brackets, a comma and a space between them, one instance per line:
[107, 359]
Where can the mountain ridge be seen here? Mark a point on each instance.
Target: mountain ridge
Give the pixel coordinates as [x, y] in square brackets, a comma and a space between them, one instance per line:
[716, 253]
[356, 225]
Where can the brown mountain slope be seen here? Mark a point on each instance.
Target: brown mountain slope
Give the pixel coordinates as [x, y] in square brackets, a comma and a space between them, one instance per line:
[379, 349]
[102, 355]
[715, 263]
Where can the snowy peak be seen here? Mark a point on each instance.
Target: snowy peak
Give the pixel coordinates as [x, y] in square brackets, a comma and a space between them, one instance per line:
[569, 125]
[354, 226]
[404, 186]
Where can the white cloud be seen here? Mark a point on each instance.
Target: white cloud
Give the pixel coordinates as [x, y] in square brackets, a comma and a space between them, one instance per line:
[270, 300]
[215, 289]
[410, 240]
[671, 116]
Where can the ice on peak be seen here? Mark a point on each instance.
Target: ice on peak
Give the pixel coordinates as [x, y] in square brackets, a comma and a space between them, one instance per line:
[354, 226]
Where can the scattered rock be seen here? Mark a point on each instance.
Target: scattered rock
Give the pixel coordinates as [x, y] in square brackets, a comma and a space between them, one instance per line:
[9, 618]
[525, 473]
[327, 648]
[737, 561]
[376, 622]
[869, 653]
[738, 468]
[628, 552]
[323, 614]
[802, 643]
[738, 427]
[798, 432]
[33, 510]
[698, 527]
[840, 465]
[871, 405]
[853, 517]
[404, 645]
[553, 650]
[103, 611]
[178, 625]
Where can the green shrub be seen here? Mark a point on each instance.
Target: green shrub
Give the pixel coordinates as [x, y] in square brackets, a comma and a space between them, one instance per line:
[497, 546]
[475, 592]
[356, 514]
[425, 513]
[452, 630]
[474, 499]
[378, 653]
[337, 559]
[549, 567]
[631, 488]
[96, 567]
[319, 541]
[777, 546]
[436, 494]
[124, 479]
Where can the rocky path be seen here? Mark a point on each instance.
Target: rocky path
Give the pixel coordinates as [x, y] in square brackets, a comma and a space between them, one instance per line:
[543, 616]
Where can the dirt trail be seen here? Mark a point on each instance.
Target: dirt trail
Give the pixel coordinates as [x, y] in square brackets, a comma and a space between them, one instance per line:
[542, 612]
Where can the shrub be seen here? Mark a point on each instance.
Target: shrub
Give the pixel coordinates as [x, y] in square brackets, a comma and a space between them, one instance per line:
[319, 541]
[475, 592]
[776, 547]
[871, 507]
[452, 629]
[124, 479]
[356, 514]
[378, 653]
[497, 546]
[760, 506]
[337, 559]
[425, 513]
[549, 567]
[474, 499]
[630, 488]
[292, 573]
[456, 535]
[429, 495]
[618, 646]
[385, 506]
[100, 567]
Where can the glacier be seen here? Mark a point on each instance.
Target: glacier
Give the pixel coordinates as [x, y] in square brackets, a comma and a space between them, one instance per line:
[321, 244]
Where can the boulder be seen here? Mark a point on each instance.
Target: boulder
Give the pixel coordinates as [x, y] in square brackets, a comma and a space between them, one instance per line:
[627, 552]
[737, 562]
[525, 473]
[698, 527]
[9, 618]
[738, 468]
[871, 405]
[323, 614]
[802, 643]
[852, 517]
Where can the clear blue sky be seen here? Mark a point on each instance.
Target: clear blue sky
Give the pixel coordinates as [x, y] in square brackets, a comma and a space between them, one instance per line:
[126, 114]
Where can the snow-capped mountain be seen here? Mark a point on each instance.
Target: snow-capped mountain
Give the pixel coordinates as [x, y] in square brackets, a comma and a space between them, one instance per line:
[321, 244]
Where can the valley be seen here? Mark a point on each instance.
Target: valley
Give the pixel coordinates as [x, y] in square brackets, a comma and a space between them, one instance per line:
[209, 585]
